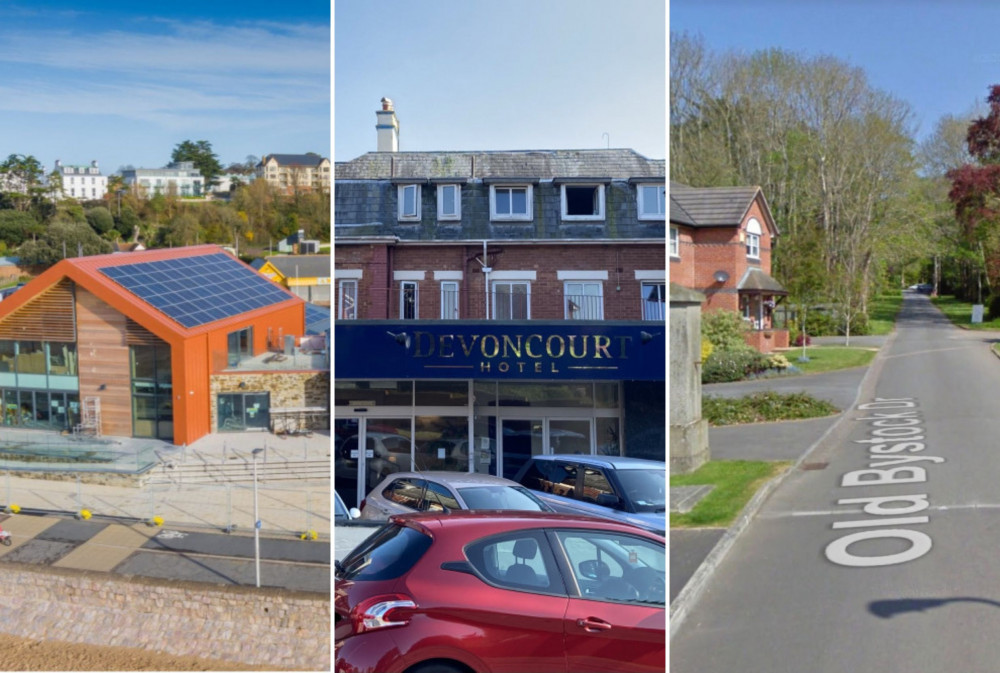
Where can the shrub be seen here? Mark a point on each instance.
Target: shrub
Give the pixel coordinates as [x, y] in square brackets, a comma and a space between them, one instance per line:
[726, 365]
[994, 307]
[820, 324]
[706, 349]
[798, 340]
[723, 329]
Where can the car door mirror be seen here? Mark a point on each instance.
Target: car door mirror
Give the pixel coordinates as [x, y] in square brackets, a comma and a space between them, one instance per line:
[609, 500]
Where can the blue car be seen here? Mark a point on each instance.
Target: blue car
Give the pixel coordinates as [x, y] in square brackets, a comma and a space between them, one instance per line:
[632, 490]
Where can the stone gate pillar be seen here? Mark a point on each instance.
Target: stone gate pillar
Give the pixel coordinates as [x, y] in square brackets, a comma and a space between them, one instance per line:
[688, 430]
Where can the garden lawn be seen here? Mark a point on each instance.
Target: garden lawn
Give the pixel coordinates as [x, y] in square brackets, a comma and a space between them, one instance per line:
[830, 358]
[735, 481]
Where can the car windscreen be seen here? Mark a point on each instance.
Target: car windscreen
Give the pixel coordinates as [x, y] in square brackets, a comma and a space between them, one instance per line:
[647, 489]
[386, 554]
[500, 497]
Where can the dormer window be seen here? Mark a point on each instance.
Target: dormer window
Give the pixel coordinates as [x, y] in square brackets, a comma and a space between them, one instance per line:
[582, 202]
[409, 203]
[753, 238]
[510, 202]
[449, 200]
[652, 201]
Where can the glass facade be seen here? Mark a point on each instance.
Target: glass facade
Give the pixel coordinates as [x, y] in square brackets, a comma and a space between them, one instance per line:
[152, 404]
[39, 385]
[481, 426]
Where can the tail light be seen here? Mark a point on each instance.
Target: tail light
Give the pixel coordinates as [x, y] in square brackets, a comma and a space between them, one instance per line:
[381, 612]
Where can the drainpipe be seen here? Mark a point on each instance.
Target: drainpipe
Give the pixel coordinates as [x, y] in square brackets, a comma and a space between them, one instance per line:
[486, 281]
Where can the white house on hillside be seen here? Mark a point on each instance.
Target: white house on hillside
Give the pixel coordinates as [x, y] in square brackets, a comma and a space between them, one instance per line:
[81, 182]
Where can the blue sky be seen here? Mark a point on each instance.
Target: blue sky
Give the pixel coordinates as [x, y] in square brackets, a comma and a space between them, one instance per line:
[124, 82]
[503, 75]
[941, 56]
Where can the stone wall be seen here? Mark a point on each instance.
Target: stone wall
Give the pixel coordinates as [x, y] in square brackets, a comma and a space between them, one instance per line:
[250, 626]
[288, 389]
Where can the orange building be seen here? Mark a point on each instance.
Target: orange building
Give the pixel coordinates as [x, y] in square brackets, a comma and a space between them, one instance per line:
[154, 343]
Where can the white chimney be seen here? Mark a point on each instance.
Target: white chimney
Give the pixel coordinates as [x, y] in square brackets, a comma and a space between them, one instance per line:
[387, 127]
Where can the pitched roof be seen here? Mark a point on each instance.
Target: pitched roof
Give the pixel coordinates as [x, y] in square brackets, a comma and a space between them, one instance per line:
[619, 164]
[715, 206]
[303, 266]
[87, 272]
[755, 279]
[294, 159]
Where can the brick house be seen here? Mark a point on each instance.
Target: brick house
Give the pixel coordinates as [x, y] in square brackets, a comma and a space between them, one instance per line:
[720, 244]
[510, 301]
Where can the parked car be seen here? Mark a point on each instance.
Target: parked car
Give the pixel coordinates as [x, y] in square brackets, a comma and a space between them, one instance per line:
[633, 490]
[341, 511]
[409, 492]
[512, 591]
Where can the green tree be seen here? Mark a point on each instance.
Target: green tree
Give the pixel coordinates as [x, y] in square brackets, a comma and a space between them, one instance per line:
[63, 239]
[100, 220]
[200, 153]
[16, 227]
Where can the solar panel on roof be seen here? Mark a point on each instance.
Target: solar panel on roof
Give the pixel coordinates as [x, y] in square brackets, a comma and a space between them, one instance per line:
[197, 290]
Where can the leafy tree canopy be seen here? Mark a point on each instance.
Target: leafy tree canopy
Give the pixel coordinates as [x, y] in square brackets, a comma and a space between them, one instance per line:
[200, 153]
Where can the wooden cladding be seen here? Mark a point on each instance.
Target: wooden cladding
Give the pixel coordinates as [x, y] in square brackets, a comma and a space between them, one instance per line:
[137, 335]
[48, 317]
[104, 362]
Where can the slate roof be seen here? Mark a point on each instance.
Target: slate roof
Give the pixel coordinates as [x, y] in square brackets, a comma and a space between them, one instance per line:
[713, 206]
[619, 164]
[309, 266]
[755, 280]
[294, 159]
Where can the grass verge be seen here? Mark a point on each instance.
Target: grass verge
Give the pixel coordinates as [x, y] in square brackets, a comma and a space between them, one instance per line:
[735, 481]
[960, 313]
[830, 358]
[763, 407]
[882, 312]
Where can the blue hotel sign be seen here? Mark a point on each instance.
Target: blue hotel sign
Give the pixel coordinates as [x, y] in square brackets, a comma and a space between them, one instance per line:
[526, 351]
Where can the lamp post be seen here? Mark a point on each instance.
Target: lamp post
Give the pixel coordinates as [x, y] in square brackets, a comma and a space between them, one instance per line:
[256, 520]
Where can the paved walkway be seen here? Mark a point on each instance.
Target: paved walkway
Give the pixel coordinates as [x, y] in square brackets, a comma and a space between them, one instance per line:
[285, 507]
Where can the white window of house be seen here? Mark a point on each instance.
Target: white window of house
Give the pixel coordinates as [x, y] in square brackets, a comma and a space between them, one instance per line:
[509, 202]
[512, 300]
[654, 300]
[409, 203]
[584, 300]
[409, 300]
[652, 200]
[449, 199]
[449, 300]
[583, 294]
[675, 242]
[347, 300]
[753, 238]
[582, 202]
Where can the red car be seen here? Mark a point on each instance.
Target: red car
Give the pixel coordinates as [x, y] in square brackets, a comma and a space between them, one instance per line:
[488, 592]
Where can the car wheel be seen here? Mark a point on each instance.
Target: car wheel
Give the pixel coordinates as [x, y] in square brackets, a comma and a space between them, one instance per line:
[438, 667]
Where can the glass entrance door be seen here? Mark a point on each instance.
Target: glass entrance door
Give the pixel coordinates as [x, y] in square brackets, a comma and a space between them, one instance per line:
[367, 450]
[523, 438]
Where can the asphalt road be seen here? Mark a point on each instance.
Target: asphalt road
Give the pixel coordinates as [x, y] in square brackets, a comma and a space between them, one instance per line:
[886, 559]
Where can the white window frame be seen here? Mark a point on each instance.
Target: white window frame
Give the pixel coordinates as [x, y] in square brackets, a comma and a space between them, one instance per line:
[599, 215]
[403, 286]
[661, 201]
[753, 233]
[401, 215]
[342, 294]
[512, 217]
[568, 291]
[456, 201]
[510, 282]
[644, 287]
[675, 242]
[449, 287]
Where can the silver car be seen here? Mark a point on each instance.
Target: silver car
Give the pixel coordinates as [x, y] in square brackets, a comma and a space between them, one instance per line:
[408, 492]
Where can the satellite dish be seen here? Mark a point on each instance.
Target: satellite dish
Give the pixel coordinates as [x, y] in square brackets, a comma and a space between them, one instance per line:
[720, 276]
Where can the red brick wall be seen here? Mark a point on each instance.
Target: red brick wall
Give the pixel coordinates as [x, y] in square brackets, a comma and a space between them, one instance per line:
[379, 293]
